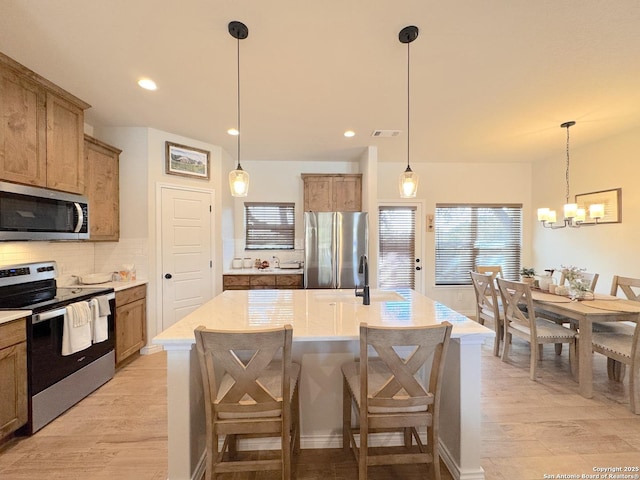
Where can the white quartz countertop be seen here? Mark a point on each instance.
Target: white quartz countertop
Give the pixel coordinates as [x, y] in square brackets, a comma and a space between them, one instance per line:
[325, 315]
[264, 271]
[9, 315]
[117, 286]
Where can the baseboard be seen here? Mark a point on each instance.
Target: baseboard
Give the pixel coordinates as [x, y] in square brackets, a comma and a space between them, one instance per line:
[454, 468]
[150, 349]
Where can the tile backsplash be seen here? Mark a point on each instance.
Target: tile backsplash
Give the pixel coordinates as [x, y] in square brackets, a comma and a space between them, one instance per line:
[78, 258]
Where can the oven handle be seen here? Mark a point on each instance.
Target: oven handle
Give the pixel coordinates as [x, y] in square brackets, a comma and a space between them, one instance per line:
[44, 316]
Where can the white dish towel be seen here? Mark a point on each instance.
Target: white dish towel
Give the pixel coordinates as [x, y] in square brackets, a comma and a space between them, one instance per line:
[76, 332]
[100, 312]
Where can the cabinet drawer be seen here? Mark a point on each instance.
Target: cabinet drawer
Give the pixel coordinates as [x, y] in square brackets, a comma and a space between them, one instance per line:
[263, 280]
[235, 280]
[132, 294]
[289, 280]
[12, 333]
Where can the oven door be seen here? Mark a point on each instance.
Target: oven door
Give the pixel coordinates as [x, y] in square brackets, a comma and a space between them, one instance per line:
[46, 363]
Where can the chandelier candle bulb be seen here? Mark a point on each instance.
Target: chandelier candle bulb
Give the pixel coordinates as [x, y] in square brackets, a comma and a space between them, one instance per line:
[551, 216]
[581, 215]
[596, 210]
[543, 214]
[570, 210]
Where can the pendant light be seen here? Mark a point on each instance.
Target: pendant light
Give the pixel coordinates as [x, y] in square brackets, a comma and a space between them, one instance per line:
[573, 216]
[238, 178]
[408, 179]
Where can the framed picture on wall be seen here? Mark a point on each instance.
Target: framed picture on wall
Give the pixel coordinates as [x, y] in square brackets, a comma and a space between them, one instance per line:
[186, 161]
[611, 199]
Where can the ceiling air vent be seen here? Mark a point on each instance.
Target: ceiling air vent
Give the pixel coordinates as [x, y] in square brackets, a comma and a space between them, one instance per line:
[385, 133]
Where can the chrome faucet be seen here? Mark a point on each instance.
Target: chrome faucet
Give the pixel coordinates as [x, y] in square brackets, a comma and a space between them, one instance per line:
[363, 268]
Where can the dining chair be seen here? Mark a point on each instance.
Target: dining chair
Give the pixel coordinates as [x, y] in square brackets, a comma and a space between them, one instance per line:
[494, 270]
[520, 320]
[488, 309]
[621, 349]
[391, 392]
[626, 285]
[250, 390]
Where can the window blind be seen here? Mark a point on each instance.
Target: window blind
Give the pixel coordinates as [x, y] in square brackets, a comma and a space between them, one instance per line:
[269, 225]
[471, 235]
[396, 257]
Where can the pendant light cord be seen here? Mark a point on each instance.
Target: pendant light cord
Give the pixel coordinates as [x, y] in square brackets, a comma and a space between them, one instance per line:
[567, 170]
[408, 104]
[238, 86]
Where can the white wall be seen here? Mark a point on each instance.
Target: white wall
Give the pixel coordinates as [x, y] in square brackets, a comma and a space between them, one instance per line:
[609, 249]
[277, 182]
[606, 249]
[460, 183]
[142, 170]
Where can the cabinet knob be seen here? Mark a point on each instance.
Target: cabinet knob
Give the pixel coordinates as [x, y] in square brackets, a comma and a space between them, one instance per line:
[168, 276]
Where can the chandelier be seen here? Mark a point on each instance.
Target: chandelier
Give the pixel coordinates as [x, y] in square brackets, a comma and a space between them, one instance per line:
[574, 217]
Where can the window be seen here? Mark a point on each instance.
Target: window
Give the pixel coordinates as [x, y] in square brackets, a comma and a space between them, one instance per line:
[269, 225]
[471, 235]
[396, 257]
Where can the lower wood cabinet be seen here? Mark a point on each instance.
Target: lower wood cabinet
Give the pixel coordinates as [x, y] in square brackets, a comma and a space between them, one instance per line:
[131, 322]
[13, 376]
[254, 282]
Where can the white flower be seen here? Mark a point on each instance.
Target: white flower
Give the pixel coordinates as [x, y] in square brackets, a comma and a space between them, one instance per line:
[575, 278]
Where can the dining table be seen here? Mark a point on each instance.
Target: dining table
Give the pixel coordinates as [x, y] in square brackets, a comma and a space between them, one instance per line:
[600, 308]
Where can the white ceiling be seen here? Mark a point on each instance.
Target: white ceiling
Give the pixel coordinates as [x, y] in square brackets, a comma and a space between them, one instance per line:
[491, 80]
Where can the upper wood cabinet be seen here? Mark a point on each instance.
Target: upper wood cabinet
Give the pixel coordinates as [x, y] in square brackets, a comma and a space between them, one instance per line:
[41, 131]
[332, 192]
[23, 127]
[102, 167]
[65, 136]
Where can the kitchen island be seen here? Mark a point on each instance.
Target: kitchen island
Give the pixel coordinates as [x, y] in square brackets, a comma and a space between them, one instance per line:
[325, 335]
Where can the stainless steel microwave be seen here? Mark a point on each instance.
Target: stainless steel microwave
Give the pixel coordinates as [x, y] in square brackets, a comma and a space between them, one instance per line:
[32, 213]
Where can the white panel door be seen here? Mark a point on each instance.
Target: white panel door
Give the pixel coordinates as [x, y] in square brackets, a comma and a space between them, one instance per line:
[187, 267]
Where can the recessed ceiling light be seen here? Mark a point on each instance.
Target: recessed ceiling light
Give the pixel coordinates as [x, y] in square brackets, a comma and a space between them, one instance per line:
[233, 131]
[147, 84]
[349, 133]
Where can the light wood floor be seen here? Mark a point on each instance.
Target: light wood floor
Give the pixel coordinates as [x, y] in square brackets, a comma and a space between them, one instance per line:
[529, 429]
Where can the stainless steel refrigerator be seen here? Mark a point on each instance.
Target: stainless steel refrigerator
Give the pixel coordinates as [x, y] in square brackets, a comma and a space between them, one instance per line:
[333, 244]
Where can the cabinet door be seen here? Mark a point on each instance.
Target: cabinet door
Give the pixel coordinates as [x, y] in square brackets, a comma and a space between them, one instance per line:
[347, 193]
[65, 139]
[289, 281]
[235, 282]
[102, 178]
[262, 281]
[22, 130]
[318, 195]
[332, 192]
[130, 328]
[13, 388]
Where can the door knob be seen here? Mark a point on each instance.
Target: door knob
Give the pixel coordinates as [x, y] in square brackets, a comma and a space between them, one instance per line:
[167, 276]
